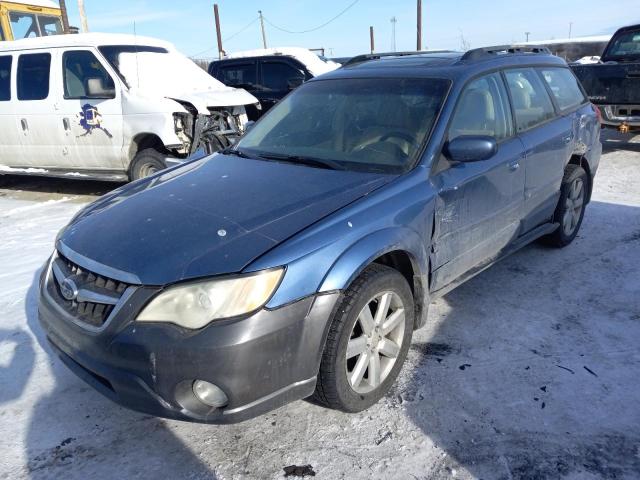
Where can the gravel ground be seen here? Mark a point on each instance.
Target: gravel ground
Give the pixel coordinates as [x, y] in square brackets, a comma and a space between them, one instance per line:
[530, 370]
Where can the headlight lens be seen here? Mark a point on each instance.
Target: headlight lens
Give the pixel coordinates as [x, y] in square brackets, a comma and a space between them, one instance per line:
[194, 305]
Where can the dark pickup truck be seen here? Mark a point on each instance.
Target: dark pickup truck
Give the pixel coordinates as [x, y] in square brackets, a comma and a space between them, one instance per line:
[614, 83]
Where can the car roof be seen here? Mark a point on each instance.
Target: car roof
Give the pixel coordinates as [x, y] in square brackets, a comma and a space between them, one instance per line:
[451, 65]
[82, 40]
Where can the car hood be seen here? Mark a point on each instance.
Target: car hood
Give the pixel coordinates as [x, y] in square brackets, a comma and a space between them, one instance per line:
[202, 100]
[208, 217]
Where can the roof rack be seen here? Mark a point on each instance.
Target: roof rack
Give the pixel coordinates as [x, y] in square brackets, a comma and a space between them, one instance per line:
[377, 56]
[491, 52]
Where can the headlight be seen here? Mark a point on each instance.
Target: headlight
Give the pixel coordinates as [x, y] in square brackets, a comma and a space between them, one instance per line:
[194, 305]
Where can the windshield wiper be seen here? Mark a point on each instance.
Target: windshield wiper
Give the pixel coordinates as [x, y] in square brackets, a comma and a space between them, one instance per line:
[300, 159]
[234, 151]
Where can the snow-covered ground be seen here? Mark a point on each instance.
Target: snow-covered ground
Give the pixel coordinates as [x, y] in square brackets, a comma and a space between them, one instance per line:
[530, 370]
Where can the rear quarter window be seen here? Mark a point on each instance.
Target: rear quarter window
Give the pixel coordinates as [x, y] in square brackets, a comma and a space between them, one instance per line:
[5, 78]
[564, 87]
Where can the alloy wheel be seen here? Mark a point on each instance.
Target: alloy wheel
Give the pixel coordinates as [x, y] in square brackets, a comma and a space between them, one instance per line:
[375, 342]
[573, 206]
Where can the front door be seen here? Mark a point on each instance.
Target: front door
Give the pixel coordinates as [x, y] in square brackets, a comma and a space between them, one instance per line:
[89, 114]
[479, 204]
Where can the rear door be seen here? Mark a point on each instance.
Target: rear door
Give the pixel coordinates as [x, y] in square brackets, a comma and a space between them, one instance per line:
[479, 204]
[547, 138]
[278, 77]
[9, 136]
[88, 112]
[34, 108]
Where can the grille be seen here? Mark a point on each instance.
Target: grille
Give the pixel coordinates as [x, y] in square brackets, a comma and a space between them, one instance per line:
[94, 296]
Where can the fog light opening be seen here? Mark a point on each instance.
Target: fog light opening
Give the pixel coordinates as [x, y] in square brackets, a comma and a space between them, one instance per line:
[209, 394]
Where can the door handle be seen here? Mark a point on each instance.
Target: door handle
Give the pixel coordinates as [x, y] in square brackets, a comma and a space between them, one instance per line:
[25, 125]
[513, 166]
[66, 124]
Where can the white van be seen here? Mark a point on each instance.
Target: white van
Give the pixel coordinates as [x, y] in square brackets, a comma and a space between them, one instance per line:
[109, 106]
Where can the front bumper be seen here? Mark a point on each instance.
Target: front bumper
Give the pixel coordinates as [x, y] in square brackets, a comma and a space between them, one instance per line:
[261, 362]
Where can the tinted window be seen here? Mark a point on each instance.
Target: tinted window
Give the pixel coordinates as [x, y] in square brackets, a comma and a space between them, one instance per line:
[23, 25]
[624, 45]
[370, 124]
[483, 109]
[531, 101]
[564, 86]
[277, 75]
[85, 77]
[33, 76]
[238, 75]
[5, 78]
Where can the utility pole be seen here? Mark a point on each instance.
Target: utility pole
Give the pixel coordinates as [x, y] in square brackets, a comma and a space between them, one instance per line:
[371, 41]
[264, 37]
[570, 27]
[83, 16]
[65, 17]
[527, 34]
[218, 32]
[394, 20]
[419, 43]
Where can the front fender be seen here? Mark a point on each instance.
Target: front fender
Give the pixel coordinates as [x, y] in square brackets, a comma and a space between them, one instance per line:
[356, 258]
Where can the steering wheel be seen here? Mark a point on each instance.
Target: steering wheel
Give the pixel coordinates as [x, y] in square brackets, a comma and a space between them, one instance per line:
[401, 135]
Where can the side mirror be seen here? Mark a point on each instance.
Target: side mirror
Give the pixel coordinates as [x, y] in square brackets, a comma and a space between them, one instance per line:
[295, 82]
[96, 88]
[471, 148]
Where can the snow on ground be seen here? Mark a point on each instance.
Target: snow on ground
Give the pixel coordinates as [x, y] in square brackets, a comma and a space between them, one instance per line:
[530, 370]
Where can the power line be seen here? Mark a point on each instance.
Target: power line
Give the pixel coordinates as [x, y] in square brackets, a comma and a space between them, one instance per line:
[225, 40]
[315, 28]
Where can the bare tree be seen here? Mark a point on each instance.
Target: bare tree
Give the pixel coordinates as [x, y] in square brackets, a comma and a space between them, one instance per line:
[83, 16]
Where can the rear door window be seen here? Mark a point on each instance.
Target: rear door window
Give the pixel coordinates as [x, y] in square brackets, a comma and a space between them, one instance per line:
[33, 76]
[483, 109]
[85, 77]
[242, 75]
[531, 102]
[564, 87]
[5, 78]
[280, 76]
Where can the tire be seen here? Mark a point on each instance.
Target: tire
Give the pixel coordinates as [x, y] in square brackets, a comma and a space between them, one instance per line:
[145, 163]
[334, 389]
[571, 206]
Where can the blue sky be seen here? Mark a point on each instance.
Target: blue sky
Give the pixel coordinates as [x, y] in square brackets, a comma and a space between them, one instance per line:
[190, 24]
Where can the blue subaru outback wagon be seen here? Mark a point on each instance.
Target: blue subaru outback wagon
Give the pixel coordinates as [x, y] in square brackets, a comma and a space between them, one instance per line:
[299, 262]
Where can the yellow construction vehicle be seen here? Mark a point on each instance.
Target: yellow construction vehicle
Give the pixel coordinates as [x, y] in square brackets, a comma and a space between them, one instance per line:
[33, 18]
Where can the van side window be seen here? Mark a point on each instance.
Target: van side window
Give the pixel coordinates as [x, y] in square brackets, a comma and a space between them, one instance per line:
[531, 101]
[483, 109]
[85, 77]
[238, 75]
[5, 78]
[564, 86]
[33, 76]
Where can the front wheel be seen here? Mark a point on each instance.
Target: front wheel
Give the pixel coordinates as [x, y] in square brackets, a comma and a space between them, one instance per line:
[146, 162]
[367, 341]
[570, 210]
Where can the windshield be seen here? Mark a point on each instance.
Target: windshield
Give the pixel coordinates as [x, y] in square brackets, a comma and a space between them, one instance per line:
[28, 25]
[372, 124]
[625, 45]
[157, 70]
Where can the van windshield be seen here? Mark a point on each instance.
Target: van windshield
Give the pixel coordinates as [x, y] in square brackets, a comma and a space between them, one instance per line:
[368, 124]
[158, 71]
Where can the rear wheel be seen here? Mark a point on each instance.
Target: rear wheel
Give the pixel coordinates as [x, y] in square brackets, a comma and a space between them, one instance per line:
[146, 162]
[367, 342]
[570, 210]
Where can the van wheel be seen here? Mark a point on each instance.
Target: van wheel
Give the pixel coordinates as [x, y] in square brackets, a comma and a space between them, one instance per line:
[571, 206]
[145, 163]
[367, 342]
